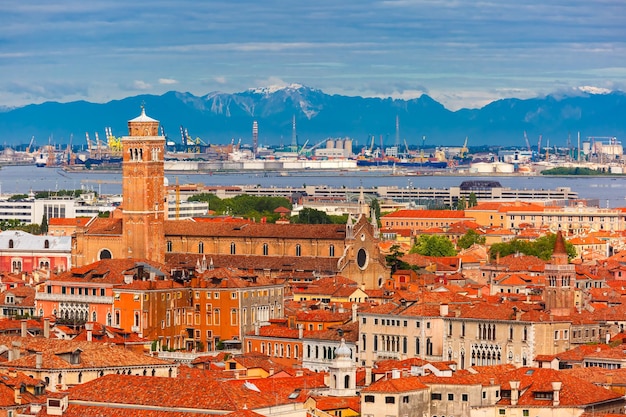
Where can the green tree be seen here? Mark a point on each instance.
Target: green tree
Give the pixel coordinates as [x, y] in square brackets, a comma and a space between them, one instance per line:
[461, 204]
[541, 248]
[434, 245]
[16, 197]
[472, 200]
[470, 238]
[393, 259]
[44, 224]
[312, 216]
[375, 205]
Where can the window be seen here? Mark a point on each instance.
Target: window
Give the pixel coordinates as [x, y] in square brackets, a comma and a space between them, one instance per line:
[450, 397]
[501, 411]
[266, 249]
[369, 399]
[331, 250]
[435, 396]
[390, 400]
[233, 248]
[405, 399]
[526, 413]
[169, 246]
[464, 397]
[201, 247]
[298, 250]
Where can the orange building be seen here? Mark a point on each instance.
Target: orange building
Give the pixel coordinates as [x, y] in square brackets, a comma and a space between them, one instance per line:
[419, 220]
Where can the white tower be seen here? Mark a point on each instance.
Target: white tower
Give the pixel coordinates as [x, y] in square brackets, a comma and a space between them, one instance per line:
[342, 372]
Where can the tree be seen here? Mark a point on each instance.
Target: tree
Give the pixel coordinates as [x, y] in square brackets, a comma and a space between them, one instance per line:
[312, 216]
[541, 248]
[470, 238]
[44, 224]
[375, 205]
[433, 246]
[393, 259]
[460, 205]
[16, 197]
[472, 200]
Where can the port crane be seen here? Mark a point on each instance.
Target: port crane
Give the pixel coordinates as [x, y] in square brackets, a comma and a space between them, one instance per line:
[527, 142]
[32, 140]
[463, 151]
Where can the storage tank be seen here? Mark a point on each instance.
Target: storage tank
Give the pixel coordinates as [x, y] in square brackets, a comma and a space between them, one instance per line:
[481, 168]
[330, 144]
[503, 168]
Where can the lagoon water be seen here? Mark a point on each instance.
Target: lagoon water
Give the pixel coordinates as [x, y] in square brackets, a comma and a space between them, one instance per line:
[610, 191]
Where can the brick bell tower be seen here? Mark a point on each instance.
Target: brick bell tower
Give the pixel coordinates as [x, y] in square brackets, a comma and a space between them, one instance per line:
[143, 190]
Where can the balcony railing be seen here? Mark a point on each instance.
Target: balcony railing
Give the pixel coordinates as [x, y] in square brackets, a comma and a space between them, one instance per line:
[73, 298]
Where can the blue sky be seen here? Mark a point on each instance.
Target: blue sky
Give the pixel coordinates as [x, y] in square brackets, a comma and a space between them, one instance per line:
[463, 53]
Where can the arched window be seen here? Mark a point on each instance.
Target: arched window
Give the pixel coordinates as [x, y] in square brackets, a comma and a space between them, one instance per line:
[346, 381]
[93, 317]
[108, 319]
[105, 254]
[201, 247]
[233, 248]
[80, 377]
[266, 249]
[169, 245]
[298, 250]
[11, 244]
[331, 250]
[296, 352]
[46, 244]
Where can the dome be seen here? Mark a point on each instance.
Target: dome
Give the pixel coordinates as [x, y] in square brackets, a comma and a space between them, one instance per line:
[343, 351]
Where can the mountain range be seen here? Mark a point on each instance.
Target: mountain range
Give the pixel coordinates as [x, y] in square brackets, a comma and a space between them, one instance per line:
[218, 118]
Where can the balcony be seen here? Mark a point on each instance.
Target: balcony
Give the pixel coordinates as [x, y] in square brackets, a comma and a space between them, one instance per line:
[381, 354]
[69, 298]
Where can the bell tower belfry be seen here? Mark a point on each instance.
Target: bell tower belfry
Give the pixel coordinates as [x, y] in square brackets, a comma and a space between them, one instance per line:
[144, 204]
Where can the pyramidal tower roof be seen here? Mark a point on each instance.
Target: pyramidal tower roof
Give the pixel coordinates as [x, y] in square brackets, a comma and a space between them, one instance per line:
[559, 244]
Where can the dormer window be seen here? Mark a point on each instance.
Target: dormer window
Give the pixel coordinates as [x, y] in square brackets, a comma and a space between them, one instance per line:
[9, 299]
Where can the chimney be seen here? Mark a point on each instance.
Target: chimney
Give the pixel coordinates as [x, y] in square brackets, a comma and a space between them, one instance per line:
[443, 310]
[16, 350]
[256, 328]
[89, 329]
[46, 328]
[514, 392]
[38, 360]
[271, 371]
[24, 328]
[556, 398]
[300, 331]
[354, 313]
[17, 395]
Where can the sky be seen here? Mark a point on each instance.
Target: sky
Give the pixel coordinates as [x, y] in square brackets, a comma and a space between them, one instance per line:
[462, 53]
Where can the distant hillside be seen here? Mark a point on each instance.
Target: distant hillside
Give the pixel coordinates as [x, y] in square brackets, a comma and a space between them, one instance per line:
[219, 118]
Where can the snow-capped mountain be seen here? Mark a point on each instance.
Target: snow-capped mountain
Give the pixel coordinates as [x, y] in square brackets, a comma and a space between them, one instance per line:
[219, 117]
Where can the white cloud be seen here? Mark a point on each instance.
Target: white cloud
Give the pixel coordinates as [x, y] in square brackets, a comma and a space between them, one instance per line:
[167, 81]
[220, 79]
[141, 85]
